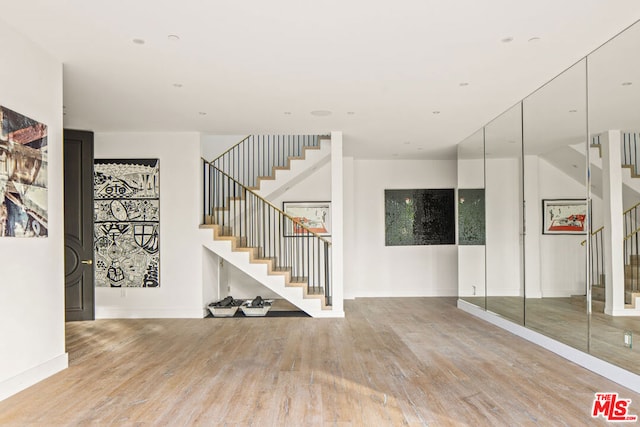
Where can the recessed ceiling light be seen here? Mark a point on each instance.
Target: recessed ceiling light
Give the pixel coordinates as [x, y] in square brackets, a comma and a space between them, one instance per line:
[287, 113]
[464, 84]
[138, 41]
[177, 85]
[573, 111]
[173, 38]
[627, 83]
[507, 40]
[202, 113]
[534, 39]
[436, 112]
[321, 113]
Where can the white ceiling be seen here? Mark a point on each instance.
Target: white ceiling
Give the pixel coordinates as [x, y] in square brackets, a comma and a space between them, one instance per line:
[246, 64]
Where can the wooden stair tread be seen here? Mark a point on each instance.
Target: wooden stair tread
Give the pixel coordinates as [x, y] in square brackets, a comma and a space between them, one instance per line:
[298, 282]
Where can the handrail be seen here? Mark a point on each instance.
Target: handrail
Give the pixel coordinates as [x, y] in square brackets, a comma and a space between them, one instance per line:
[271, 234]
[256, 156]
[229, 150]
[630, 235]
[593, 233]
[631, 208]
[268, 203]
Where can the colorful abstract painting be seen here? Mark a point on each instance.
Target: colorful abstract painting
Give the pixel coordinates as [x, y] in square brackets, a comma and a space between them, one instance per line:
[315, 216]
[419, 217]
[127, 222]
[564, 216]
[471, 220]
[23, 176]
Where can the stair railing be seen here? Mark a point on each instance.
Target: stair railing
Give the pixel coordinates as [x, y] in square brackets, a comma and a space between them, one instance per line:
[631, 247]
[596, 252]
[256, 223]
[257, 155]
[630, 151]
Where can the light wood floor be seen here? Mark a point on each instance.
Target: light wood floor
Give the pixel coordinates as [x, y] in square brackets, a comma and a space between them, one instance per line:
[411, 361]
[567, 322]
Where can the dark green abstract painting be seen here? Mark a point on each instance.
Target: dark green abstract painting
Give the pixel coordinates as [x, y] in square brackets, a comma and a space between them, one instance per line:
[419, 217]
[471, 221]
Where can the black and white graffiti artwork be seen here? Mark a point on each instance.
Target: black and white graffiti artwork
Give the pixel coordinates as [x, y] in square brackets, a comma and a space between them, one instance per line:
[127, 222]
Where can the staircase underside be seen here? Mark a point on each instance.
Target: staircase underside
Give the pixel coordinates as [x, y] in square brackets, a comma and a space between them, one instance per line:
[246, 259]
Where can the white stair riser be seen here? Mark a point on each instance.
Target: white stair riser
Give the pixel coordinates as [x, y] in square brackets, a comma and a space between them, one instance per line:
[276, 283]
[298, 169]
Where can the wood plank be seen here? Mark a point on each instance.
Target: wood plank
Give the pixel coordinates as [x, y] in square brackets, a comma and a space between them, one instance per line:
[413, 361]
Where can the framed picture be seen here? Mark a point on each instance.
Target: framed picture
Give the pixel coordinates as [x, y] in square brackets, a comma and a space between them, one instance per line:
[314, 215]
[24, 210]
[420, 217]
[126, 223]
[564, 216]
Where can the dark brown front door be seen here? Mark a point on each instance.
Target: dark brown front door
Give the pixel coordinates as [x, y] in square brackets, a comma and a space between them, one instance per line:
[78, 225]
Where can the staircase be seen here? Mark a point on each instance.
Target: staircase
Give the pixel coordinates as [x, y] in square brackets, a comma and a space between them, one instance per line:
[596, 274]
[257, 237]
[632, 281]
[631, 223]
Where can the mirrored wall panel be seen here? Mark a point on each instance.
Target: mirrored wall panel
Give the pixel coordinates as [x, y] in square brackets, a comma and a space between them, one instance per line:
[614, 119]
[471, 220]
[555, 186]
[504, 226]
[562, 207]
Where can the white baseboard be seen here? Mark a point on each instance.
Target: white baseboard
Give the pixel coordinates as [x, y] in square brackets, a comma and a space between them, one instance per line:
[148, 313]
[614, 373]
[32, 376]
[386, 293]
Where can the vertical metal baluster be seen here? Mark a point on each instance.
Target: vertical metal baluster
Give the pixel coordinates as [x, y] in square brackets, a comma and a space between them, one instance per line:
[269, 231]
[280, 259]
[309, 264]
[320, 263]
[204, 192]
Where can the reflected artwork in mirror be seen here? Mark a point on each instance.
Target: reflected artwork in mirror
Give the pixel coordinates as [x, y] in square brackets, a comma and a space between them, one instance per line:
[577, 279]
[471, 228]
[614, 125]
[471, 220]
[555, 124]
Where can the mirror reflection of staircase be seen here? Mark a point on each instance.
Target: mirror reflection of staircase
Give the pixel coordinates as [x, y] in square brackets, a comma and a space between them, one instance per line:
[630, 161]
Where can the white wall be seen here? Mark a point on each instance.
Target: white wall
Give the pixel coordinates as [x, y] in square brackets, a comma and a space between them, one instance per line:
[503, 227]
[180, 293]
[471, 258]
[243, 286]
[562, 258]
[471, 270]
[314, 188]
[213, 146]
[32, 280]
[377, 270]
[471, 173]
